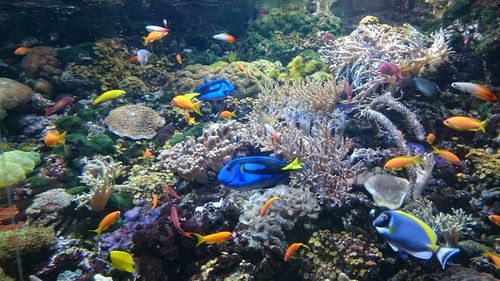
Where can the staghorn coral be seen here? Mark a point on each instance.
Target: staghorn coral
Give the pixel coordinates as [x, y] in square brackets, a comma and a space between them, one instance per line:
[295, 204]
[134, 121]
[100, 174]
[356, 57]
[335, 253]
[198, 160]
[12, 94]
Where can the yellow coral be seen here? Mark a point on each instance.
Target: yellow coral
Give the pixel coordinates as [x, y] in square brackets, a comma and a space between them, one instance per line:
[369, 20]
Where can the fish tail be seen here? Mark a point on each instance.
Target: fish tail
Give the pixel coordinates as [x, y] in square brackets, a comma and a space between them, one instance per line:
[199, 238]
[62, 138]
[48, 111]
[418, 160]
[98, 231]
[196, 108]
[435, 149]
[233, 113]
[294, 165]
[482, 125]
[304, 245]
[444, 253]
[145, 41]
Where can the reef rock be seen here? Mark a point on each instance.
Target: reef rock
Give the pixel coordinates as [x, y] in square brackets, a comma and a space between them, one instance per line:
[42, 62]
[134, 121]
[13, 94]
[47, 207]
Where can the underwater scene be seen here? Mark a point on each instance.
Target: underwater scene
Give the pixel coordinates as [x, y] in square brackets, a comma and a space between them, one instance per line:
[249, 140]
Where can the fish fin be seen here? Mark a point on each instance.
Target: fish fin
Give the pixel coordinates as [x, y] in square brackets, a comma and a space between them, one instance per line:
[435, 149]
[294, 165]
[425, 255]
[98, 231]
[482, 125]
[48, 111]
[418, 160]
[205, 78]
[233, 113]
[304, 245]
[196, 107]
[396, 249]
[145, 41]
[444, 253]
[190, 96]
[62, 138]
[199, 239]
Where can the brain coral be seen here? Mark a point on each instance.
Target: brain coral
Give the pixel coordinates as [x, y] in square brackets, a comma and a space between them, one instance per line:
[13, 94]
[247, 79]
[134, 121]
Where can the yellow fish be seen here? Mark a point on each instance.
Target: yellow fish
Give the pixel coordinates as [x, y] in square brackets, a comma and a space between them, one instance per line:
[186, 102]
[190, 120]
[109, 95]
[51, 138]
[398, 163]
[464, 123]
[122, 261]
[216, 238]
[154, 36]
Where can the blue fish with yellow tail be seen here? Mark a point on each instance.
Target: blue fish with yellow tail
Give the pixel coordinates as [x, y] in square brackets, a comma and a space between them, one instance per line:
[407, 234]
[255, 172]
[213, 90]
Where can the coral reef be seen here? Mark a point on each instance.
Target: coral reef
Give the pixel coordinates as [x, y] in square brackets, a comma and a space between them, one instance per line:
[48, 208]
[42, 62]
[12, 94]
[345, 252]
[100, 174]
[294, 204]
[203, 157]
[387, 190]
[16, 165]
[134, 121]
[28, 240]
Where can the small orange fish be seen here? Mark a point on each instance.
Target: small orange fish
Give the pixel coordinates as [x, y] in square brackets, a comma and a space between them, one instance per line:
[463, 123]
[494, 219]
[155, 201]
[447, 155]
[240, 67]
[178, 58]
[133, 59]
[494, 257]
[51, 138]
[225, 37]
[216, 238]
[146, 154]
[21, 51]
[292, 249]
[398, 163]
[171, 191]
[430, 138]
[267, 204]
[186, 102]
[106, 222]
[226, 114]
[154, 36]
[476, 90]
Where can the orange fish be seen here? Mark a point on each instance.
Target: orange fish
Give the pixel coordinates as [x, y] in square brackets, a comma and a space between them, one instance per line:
[51, 138]
[155, 201]
[240, 67]
[494, 219]
[154, 36]
[476, 90]
[265, 207]
[463, 123]
[178, 58]
[448, 155]
[227, 114]
[292, 249]
[216, 238]
[430, 138]
[133, 59]
[171, 191]
[21, 51]
[107, 221]
[146, 154]
[398, 163]
[225, 37]
[185, 102]
[494, 257]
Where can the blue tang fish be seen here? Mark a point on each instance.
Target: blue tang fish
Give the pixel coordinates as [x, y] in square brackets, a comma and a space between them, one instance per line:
[253, 172]
[213, 90]
[407, 234]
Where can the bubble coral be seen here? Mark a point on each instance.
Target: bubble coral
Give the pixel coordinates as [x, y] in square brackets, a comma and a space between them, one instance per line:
[13, 94]
[334, 252]
[15, 165]
[134, 121]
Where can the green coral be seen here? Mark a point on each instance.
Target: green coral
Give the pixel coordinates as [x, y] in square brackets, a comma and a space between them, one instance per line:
[28, 240]
[306, 64]
[17, 165]
[195, 132]
[95, 144]
[5, 277]
[73, 124]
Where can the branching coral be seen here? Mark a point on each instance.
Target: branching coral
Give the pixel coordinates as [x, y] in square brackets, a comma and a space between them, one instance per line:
[100, 174]
[196, 160]
[294, 204]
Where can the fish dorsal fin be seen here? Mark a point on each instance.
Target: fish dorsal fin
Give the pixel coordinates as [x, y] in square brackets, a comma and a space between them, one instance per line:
[191, 95]
[255, 168]
[425, 255]
[430, 233]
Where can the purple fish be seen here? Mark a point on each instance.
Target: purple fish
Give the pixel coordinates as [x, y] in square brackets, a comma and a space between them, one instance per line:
[60, 104]
[389, 69]
[416, 147]
[142, 57]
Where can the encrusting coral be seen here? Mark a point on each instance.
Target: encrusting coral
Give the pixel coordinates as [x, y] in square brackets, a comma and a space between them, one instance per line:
[294, 204]
[134, 121]
[100, 174]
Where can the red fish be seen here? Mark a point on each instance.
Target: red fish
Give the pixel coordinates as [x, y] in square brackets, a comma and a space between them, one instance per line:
[390, 69]
[348, 92]
[174, 217]
[327, 37]
[60, 104]
[171, 191]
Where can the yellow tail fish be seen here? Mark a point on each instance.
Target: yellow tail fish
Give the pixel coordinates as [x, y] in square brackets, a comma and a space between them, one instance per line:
[109, 95]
